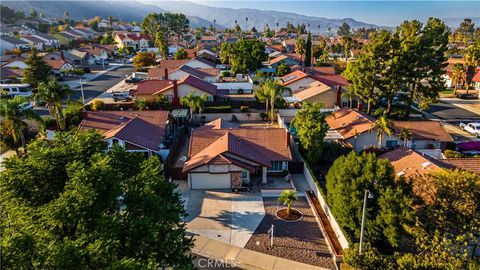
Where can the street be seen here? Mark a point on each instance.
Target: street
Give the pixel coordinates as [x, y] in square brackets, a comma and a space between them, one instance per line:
[97, 86]
[451, 113]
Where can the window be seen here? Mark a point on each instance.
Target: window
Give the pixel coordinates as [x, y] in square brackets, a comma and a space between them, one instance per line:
[210, 98]
[277, 166]
[244, 174]
[391, 143]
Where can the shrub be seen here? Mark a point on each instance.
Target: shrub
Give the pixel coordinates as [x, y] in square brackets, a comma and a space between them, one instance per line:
[98, 105]
[226, 74]
[234, 118]
[263, 116]
[244, 109]
[73, 114]
[141, 104]
[452, 154]
[218, 109]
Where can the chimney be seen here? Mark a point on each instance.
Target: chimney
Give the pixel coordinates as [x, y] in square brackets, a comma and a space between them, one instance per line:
[288, 139]
[339, 96]
[175, 99]
[165, 77]
[62, 56]
[194, 54]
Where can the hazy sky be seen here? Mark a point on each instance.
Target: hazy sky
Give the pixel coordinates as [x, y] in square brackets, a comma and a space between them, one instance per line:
[387, 13]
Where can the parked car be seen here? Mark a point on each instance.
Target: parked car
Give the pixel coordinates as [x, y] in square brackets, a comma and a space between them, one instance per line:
[472, 128]
[25, 106]
[468, 96]
[122, 96]
[134, 80]
[101, 62]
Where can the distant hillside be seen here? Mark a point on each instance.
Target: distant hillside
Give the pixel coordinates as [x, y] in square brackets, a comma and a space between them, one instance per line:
[258, 18]
[125, 10]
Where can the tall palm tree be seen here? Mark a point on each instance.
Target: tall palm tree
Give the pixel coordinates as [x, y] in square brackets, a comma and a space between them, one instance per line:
[405, 135]
[14, 114]
[458, 75]
[263, 96]
[382, 126]
[52, 93]
[287, 198]
[201, 103]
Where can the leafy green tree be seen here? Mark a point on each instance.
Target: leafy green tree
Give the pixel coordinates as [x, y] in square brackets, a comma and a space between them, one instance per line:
[308, 51]
[141, 104]
[386, 214]
[161, 44]
[52, 93]
[247, 55]
[311, 129]
[70, 205]
[171, 24]
[33, 14]
[37, 71]
[423, 60]
[362, 74]
[287, 197]
[370, 259]
[344, 30]
[458, 74]
[283, 69]
[300, 47]
[14, 115]
[472, 60]
[181, 54]
[143, 60]
[465, 32]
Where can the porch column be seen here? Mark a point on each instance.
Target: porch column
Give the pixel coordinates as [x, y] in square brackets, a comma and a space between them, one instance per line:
[264, 175]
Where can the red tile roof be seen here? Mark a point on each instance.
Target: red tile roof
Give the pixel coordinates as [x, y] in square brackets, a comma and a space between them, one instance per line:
[132, 36]
[6, 73]
[293, 77]
[468, 164]
[153, 87]
[320, 70]
[142, 128]
[56, 64]
[476, 78]
[349, 122]
[331, 80]
[261, 146]
[199, 72]
[150, 87]
[424, 130]
[159, 71]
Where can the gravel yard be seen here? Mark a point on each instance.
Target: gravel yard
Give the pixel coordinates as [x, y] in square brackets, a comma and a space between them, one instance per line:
[300, 241]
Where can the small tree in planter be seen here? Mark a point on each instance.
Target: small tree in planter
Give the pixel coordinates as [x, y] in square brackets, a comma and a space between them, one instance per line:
[287, 198]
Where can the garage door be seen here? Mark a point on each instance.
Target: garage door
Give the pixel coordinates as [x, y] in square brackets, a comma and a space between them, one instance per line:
[210, 181]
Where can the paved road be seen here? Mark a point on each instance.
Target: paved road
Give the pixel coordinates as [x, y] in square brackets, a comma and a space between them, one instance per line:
[451, 113]
[97, 86]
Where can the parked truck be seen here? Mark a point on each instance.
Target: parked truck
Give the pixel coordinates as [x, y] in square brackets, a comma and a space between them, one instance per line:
[472, 128]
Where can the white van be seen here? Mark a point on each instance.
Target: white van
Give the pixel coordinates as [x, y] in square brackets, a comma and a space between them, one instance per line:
[12, 90]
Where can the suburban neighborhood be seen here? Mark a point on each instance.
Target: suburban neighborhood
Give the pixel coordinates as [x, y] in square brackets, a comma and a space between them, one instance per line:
[161, 144]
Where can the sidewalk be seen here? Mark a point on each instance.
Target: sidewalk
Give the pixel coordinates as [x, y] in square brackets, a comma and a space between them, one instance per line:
[244, 258]
[91, 76]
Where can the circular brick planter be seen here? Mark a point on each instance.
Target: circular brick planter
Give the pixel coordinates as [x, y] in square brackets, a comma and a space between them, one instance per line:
[295, 215]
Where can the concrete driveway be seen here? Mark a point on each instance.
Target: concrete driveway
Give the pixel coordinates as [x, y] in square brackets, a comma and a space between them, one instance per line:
[222, 215]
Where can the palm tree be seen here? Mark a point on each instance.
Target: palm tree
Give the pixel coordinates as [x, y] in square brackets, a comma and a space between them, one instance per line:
[194, 102]
[110, 21]
[405, 135]
[287, 198]
[458, 74]
[263, 96]
[382, 126]
[14, 113]
[52, 94]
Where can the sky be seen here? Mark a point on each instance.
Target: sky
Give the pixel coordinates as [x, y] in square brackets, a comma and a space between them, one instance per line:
[386, 13]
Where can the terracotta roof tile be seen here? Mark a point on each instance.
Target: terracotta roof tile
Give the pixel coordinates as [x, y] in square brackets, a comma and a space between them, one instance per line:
[293, 77]
[159, 71]
[332, 80]
[468, 164]
[150, 87]
[56, 64]
[424, 130]
[349, 122]
[142, 128]
[311, 90]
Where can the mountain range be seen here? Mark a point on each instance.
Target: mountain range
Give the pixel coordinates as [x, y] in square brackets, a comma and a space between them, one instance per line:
[198, 14]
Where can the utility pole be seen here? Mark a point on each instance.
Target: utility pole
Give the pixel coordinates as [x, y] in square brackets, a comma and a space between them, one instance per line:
[368, 195]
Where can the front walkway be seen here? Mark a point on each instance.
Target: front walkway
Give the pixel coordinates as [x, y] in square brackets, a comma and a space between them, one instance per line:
[244, 258]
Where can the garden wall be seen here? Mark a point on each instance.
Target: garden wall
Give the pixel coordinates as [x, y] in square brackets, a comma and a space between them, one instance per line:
[313, 185]
[228, 116]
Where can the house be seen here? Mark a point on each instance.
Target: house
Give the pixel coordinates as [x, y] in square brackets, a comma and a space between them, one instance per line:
[208, 40]
[476, 80]
[175, 90]
[59, 66]
[296, 80]
[131, 39]
[238, 84]
[18, 63]
[10, 75]
[320, 93]
[222, 156]
[34, 42]
[164, 67]
[272, 65]
[206, 53]
[354, 128]
[74, 34]
[11, 43]
[50, 41]
[210, 75]
[15, 30]
[95, 51]
[200, 62]
[64, 38]
[408, 163]
[289, 45]
[148, 132]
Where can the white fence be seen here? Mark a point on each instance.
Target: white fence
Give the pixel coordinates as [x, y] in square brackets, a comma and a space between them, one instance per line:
[338, 232]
